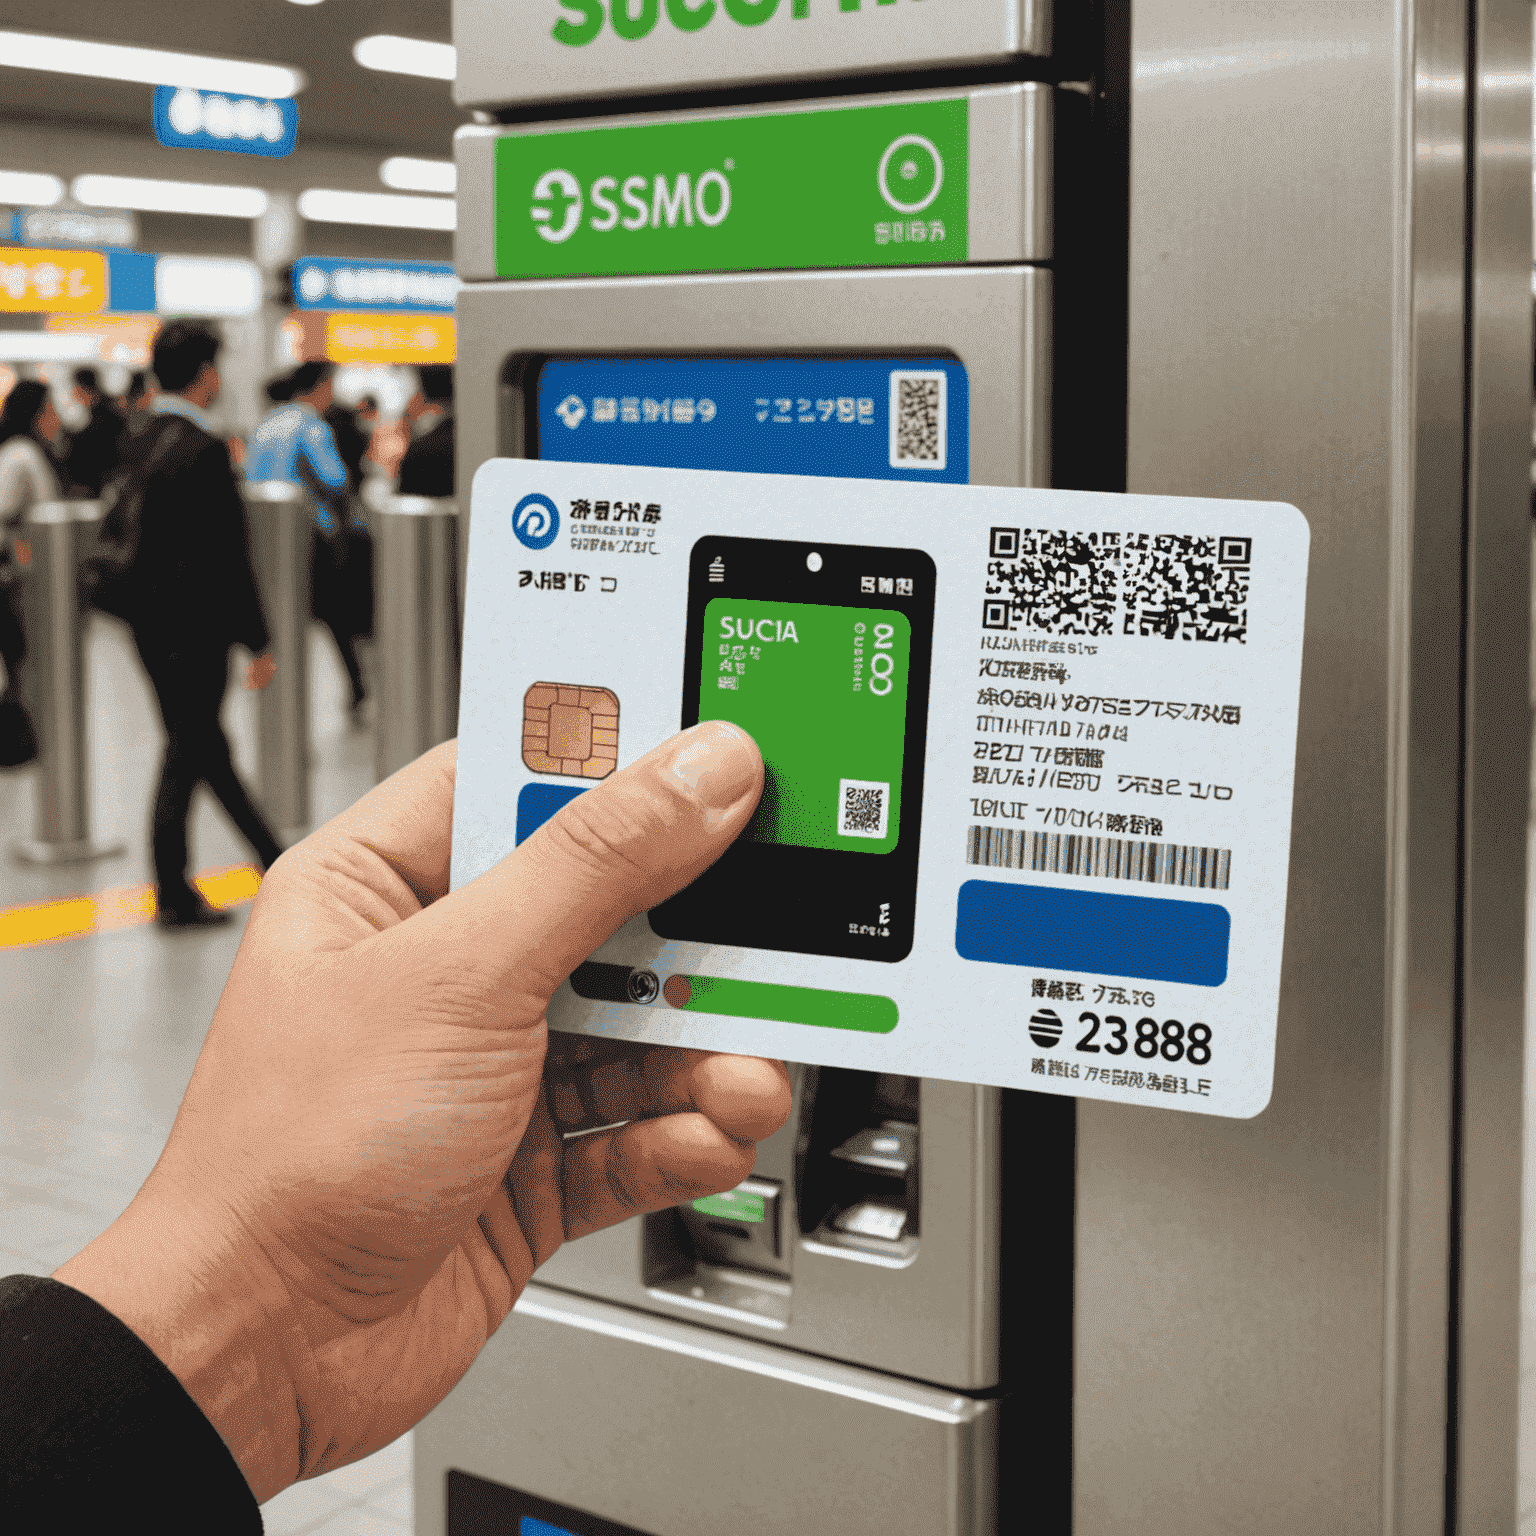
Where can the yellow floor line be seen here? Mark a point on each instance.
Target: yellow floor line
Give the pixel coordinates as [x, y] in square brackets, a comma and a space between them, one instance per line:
[130, 906]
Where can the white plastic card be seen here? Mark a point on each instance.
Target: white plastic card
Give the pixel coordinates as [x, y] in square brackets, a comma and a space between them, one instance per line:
[1029, 764]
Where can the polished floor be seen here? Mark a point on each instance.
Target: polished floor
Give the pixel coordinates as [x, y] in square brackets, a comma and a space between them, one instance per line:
[99, 1034]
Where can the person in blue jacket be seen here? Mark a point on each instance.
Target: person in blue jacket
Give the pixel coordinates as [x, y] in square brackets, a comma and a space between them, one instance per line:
[294, 442]
[375, 1153]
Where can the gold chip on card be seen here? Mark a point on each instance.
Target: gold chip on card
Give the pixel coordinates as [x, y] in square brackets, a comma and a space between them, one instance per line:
[571, 730]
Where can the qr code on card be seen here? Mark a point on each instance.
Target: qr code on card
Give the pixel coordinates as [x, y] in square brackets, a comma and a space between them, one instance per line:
[919, 408]
[1186, 586]
[1052, 582]
[1177, 586]
[862, 807]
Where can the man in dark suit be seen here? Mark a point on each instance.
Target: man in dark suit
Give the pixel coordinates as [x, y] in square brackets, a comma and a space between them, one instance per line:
[427, 468]
[195, 598]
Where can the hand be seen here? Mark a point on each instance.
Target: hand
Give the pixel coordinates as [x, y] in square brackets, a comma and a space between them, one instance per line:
[261, 671]
[237, 451]
[368, 1164]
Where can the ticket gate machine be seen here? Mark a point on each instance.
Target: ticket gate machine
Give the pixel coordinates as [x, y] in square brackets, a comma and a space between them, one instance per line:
[1307, 1321]
[828, 1346]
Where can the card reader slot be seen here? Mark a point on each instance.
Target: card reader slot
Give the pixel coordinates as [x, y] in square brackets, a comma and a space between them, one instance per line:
[857, 1162]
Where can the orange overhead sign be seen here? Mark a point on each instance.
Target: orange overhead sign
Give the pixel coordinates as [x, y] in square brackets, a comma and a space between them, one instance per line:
[56, 282]
[125, 339]
[390, 338]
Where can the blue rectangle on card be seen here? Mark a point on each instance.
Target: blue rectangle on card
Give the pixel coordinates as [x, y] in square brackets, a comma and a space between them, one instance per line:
[1144, 938]
[861, 418]
[536, 803]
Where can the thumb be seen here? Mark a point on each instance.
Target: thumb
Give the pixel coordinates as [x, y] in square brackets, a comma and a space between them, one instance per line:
[617, 850]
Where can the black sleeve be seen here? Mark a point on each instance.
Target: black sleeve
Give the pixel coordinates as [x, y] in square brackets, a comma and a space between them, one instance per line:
[427, 468]
[235, 576]
[96, 1432]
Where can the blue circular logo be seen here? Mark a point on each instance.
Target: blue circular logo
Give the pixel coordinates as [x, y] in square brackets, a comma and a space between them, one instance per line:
[536, 521]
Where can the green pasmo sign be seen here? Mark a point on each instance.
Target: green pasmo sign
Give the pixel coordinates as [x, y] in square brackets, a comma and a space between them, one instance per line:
[847, 187]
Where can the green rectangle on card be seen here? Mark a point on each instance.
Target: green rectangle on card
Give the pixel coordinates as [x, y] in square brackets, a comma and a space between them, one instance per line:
[882, 186]
[822, 690]
[733, 1205]
[866, 1012]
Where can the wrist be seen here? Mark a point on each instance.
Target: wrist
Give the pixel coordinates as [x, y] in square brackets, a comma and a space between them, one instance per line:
[213, 1322]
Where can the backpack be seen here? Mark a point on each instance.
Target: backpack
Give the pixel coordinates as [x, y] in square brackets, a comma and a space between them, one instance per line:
[109, 578]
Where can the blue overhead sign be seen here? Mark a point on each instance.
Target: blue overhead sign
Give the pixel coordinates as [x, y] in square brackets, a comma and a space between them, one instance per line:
[239, 125]
[409, 287]
[88, 227]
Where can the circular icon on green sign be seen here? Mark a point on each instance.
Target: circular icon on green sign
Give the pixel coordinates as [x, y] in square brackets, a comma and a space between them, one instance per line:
[911, 173]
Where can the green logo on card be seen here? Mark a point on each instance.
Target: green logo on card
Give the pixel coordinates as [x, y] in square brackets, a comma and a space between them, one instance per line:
[847, 187]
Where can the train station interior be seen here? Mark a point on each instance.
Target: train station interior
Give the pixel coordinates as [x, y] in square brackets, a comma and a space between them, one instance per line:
[347, 267]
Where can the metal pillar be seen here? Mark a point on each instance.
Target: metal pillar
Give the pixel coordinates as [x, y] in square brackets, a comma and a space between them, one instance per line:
[416, 624]
[282, 526]
[56, 657]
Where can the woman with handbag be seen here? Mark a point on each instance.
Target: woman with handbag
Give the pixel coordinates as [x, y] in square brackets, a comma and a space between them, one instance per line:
[29, 424]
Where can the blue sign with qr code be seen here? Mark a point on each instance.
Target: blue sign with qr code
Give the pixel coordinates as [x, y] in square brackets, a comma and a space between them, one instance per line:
[862, 418]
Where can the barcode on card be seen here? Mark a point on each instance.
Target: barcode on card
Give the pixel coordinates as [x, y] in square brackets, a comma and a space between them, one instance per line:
[1100, 858]
[863, 808]
[918, 426]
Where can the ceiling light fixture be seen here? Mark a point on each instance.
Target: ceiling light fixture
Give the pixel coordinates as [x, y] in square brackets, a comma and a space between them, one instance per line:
[42, 347]
[147, 66]
[406, 56]
[207, 285]
[30, 189]
[169, 196]
[408, 175]
[383, 208]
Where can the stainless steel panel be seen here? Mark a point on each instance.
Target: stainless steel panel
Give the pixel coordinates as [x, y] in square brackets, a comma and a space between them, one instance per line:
[511, 55]
[685, 1432]
[52, 682]
[935, 1319]
[282, 521]
[1262, 1320]
[1497, 772]
[1009, 169]
[415, 561]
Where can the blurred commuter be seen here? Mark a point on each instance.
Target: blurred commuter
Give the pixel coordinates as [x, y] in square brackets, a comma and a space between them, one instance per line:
[95, 449]
[28, 424]
[353, 605]
[194, 599]
[279, 392]
[351, 440]
[427, 468]
[141, 394]
[294, 443]
[367, 415]
[29, 429]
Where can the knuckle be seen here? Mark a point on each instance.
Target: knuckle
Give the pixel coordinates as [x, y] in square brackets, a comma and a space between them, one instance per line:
[601, 836]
